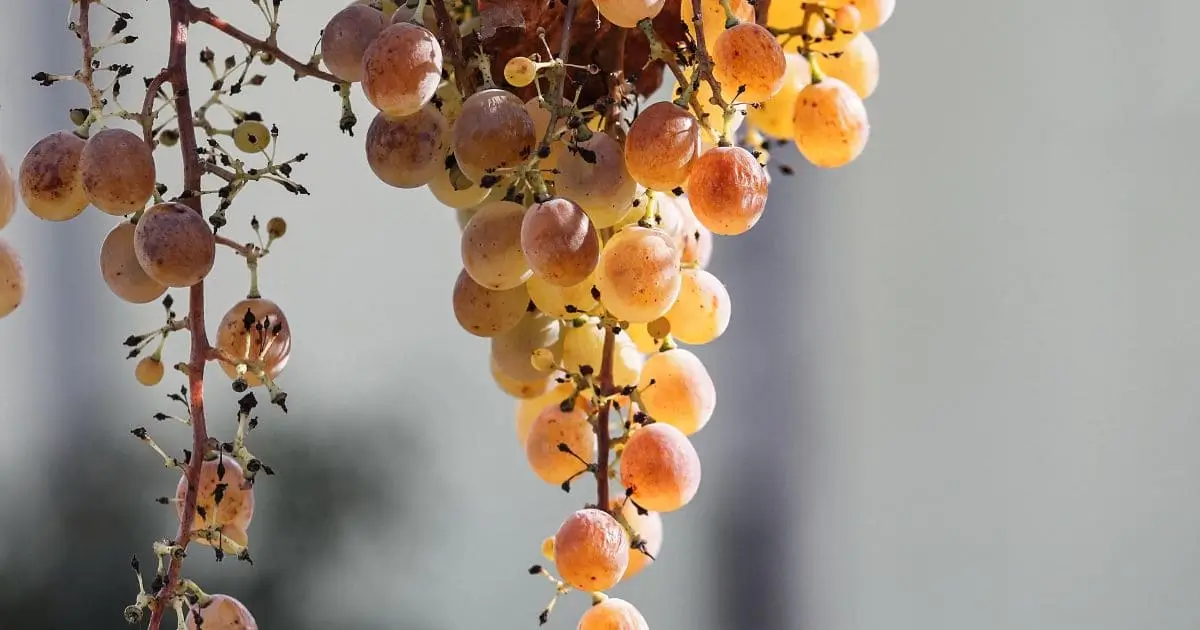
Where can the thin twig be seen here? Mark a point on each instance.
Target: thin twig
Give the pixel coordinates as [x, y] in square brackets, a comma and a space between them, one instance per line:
[147, 115]
[302, 69]
[86, 73]
[602, 435]
[453, 43]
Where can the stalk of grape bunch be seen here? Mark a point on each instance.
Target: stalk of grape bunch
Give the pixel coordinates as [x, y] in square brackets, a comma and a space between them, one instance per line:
[585, 235]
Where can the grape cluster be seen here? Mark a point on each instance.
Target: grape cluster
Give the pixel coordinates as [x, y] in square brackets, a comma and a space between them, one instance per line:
[588, 218]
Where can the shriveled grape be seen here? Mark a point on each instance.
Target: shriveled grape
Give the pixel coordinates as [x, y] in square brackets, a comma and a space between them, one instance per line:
[747, 56]
[613, 614]
[596, 178]
[51, 181]
[256, 332]
[484, 312]
[627, 13]
[702, 310]
[559, 242]
[346, 38]
[493, 132]
[554, 427]
[831, 124]
[857, 66]
[661, 145]
[408, 151]
[727, 190]
[638, 274]
[774, 115]
[121, 270]
[174, 245]
[218, 476]
[491, 246]
[591, 550]
[661, 467]
[12, 279]
[117, 169]
[402, 69]
[553, 300]
[648, 527]
[513, 350]
[220, 612]
[682, 394]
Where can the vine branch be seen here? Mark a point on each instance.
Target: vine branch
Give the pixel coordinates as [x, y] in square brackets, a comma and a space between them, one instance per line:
[603, 439]
[453, 45]
[302, 69]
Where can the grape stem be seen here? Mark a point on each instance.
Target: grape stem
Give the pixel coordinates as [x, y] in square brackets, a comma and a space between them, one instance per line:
[453, 45]
[86, 73]
[206, 16]
[603, 438]
[176, 73]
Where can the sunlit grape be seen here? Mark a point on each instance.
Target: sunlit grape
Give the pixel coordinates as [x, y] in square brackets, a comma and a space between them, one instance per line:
[727, 189]
[149, 371]
[520, 71]
[346, 37]
[702, 310]
[491, 246]
[648, 527]
[552, 428]
[713, 17]
[847, 19]
[408, 151]
[559, 242]
[493, 132]
[174, 245]
[830, 123]
[117, 169]
[642, 340]
[591, 550]
[528, 409]
[774, 115]
[402, 69]
[747, 56]
[613, 614]
[12, 279]
[218, 477]
[661, 467]
[682, 394]
[220, 612]
[484, 312]
[693, 239]
[585, 346]
[661, 145]
[857, 66]
[51, 182]
[255, 331]
[521, 390]
[873, 13]
[627, 13]
[638, 274]
[513, 349]
[595, 177]
[553, 300]
[121, 270]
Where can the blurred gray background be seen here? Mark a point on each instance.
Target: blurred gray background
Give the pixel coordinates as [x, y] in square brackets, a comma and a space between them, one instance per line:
[959, 389]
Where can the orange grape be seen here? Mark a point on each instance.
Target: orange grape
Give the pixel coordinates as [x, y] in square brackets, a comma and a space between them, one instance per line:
[8, 194]
[174, 245]
[236, 506]
[117, 169]
[513, 350]
[638, 274]
[661, 145]
[774, 115]
[857, 66]
[553, 300]
[613, 614]
[149, 371]
[528, 409]
[521, 390]
[748, 56]
[346, 38]
[408, 151]
[553, 427]
[596, 178]
[713, 17]
[559, 242]
[494, 131]
[402, 69]
[12, 279]
[220, 612]
[591, 550]
[121, 271]
[661, 467]
[702, 310]
[830, 123]
[491, 246]
[682, 394]
[484, 312]
[648, 527]
[51, 182]
[261, 339]
[627, 13]
[727, 189]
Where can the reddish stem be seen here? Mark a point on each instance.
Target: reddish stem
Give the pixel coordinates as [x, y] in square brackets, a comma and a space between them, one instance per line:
[205, 15]
[603, 439]
[176, 73]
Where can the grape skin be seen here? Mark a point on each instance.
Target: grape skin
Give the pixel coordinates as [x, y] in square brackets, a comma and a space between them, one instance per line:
[662, 468]
[493, 132]
[585, 346]
[748, 56]
[121, 270]
[408, 151]
[443, 190]
[12, 279]
[683, 394]
[528, 409]
[552, 427]
[603, 188]
[521, 390]
[117, 169]
[491, 246]
[831, 124]
[174, 245]
[627, 13]
[8, 194]
[874, 13]
[701, 312]
[712, 14]
[559, 242]
[638, 274]
[553, 300]
[727, 190]
[232, 337]
[221, 612]
[402, 69]
[346, 38]
[237, 504]
[613, 614]
[774, 115]
[513, 350]
[661, 145]
[51, 185]
[648, 527]
[591, 550]
[149, 371]
[484, 312]
[857, 66]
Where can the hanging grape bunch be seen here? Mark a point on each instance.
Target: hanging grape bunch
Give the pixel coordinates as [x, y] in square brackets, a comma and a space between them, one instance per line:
[587, 211]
